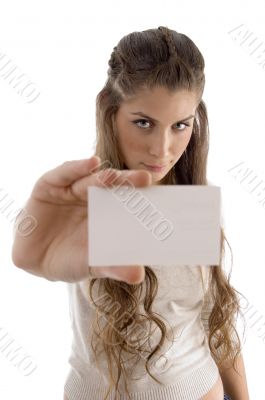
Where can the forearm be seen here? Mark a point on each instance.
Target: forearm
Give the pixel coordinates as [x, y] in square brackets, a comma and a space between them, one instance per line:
[235, 383]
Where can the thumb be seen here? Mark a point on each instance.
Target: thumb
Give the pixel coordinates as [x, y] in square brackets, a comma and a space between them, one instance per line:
[131, 274]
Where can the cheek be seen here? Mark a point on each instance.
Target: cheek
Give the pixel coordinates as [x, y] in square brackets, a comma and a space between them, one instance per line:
[130, 143]
[185, 140]
[180, 144]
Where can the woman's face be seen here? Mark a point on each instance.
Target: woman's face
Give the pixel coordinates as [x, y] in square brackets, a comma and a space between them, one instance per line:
[154, 128]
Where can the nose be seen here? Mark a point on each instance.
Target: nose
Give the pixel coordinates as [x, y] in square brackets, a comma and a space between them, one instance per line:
[160, 145]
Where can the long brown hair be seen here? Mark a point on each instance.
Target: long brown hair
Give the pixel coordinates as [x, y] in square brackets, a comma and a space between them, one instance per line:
[142, 61]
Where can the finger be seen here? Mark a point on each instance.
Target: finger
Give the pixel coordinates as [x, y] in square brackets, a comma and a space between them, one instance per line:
[111, 178]
[70, 171]
[133, 274]
[114, 177]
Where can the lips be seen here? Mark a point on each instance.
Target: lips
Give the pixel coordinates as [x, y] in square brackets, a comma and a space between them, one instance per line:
[154, 169]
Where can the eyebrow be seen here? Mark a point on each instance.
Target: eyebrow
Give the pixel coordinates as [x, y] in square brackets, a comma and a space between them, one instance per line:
[153, 119]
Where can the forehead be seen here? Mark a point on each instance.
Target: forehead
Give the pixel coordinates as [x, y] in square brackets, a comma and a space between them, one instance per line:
[160, 100]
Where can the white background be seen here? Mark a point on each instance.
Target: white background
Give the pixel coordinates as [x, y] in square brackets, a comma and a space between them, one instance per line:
[64, 47]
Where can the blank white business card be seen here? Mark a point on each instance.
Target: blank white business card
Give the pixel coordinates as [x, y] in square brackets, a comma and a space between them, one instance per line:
[165, 224]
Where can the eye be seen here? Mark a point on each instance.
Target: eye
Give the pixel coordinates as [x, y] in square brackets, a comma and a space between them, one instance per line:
[136, 122]
[140, 120]
[184, 124]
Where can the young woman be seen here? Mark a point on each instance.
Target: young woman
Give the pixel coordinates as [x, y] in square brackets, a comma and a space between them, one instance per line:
[139, 332]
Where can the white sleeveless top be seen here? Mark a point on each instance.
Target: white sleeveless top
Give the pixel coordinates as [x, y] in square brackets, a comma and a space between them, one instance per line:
[185, 367]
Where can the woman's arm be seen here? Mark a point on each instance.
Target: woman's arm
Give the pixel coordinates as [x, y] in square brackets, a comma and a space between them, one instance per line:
[235, 385]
